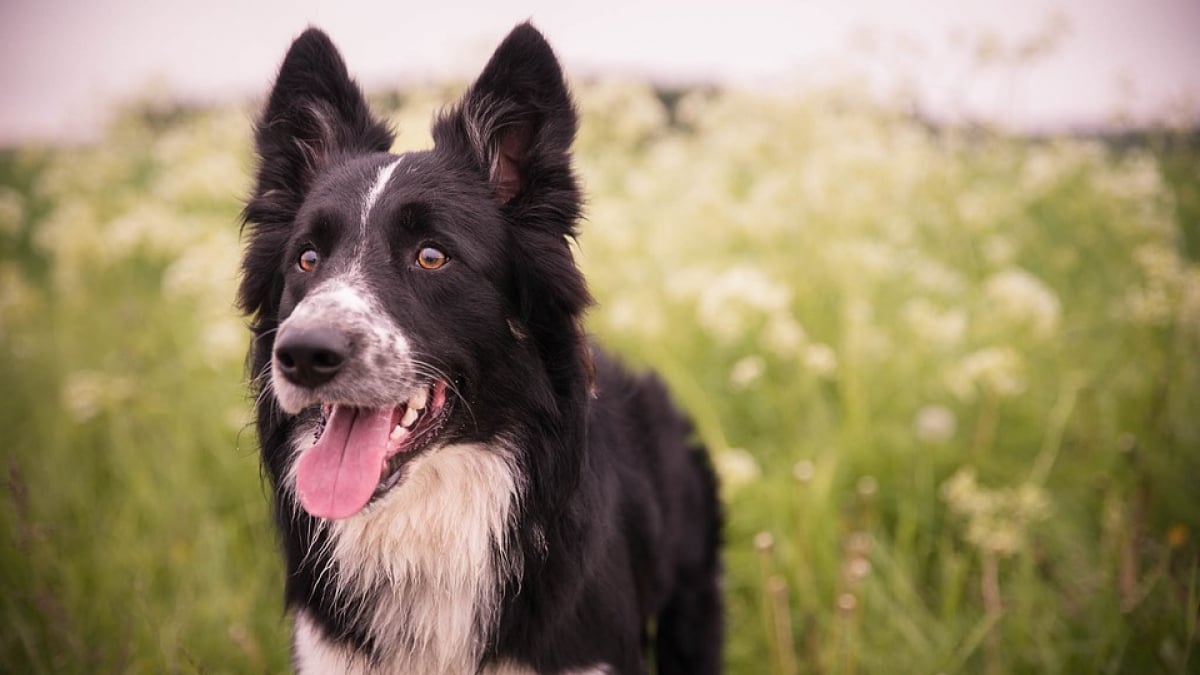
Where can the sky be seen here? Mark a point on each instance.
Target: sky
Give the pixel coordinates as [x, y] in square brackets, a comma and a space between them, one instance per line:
[65, 63]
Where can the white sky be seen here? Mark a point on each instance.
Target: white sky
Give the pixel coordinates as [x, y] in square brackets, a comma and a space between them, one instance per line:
[64, 62]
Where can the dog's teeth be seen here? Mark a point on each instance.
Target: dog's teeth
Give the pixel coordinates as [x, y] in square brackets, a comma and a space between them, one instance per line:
[418, 401]
[398, 433]
[410, 416]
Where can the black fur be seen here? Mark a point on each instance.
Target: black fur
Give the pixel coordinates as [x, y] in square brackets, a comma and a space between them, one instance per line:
[618, 525]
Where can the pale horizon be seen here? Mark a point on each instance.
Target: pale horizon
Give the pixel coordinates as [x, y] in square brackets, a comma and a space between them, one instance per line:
[64, 67]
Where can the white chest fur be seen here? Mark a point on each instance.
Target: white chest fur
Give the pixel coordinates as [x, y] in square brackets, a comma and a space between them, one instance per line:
[315, 655]
[430, 555]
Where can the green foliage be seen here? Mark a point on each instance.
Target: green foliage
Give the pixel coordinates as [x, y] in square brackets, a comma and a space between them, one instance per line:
[949, 380]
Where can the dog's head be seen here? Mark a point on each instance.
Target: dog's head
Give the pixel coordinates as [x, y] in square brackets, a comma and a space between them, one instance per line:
[402, 302]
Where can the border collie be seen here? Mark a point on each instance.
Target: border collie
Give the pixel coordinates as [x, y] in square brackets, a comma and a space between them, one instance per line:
[461, 483]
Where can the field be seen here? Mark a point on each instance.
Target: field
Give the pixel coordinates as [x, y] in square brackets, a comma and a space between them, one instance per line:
[950, 378]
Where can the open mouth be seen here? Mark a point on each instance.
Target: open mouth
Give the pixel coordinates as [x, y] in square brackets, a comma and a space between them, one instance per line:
[360, 453]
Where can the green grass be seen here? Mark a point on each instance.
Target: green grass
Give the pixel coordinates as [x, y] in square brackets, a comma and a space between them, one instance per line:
[949, 378]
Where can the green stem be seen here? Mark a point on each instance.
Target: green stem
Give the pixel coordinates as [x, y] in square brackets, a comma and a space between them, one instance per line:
[1060, 414]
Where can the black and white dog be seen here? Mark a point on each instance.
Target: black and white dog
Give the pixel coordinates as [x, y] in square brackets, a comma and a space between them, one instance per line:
[461, 484]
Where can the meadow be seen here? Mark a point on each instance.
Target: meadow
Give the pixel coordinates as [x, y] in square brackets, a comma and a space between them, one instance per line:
[949, 377]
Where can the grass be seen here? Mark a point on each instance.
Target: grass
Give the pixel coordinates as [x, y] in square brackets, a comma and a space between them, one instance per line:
[949, 379]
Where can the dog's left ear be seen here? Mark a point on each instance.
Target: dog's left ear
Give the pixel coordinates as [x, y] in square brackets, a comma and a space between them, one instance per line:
[516, 123]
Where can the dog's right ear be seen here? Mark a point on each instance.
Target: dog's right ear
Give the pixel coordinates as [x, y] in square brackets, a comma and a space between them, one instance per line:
[315, 113]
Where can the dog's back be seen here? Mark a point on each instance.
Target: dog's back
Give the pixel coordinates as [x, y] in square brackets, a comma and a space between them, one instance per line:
[671, 515]
[648, 502]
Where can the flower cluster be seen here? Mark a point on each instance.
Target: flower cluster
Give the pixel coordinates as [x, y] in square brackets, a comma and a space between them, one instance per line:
[997, 520]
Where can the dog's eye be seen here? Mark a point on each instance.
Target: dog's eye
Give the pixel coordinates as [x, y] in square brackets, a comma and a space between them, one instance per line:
[431, 258]
[307, 262]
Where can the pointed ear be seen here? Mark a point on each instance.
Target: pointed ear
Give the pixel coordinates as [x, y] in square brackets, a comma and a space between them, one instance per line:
[516, 123]
[314, 113]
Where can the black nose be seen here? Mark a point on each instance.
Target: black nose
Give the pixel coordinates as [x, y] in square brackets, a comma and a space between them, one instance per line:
[310, 357]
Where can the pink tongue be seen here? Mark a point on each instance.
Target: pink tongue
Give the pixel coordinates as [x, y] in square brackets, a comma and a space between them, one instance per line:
[336, 477]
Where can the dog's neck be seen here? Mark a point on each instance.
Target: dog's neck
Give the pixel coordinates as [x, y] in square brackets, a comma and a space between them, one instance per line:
[425, 564]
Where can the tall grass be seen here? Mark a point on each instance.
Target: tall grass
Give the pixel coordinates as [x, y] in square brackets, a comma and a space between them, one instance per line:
[949, 378]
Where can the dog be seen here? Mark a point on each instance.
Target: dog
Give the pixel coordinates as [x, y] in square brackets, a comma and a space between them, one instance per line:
[461, 482]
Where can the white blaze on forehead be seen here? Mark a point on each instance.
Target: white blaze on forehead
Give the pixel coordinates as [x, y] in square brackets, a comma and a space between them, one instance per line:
[372, 196]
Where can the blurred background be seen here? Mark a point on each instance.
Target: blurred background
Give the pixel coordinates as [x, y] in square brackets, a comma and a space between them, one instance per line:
[927, 275]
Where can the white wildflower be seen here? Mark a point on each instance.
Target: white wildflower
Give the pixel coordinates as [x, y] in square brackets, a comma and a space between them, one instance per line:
[941, 329]
[627, 315]
[1150, 306]
[736, 468]
[932, 276]
[1136, 177]
[747, 371]
[863, 257]
[998, 520]
[208, 175]
[865, 337]
[1163, 279]
[69, 231]
[935, 424]
[12, 211]
[86, 393]
[223, 341]
[1041, 170]
[620, 112]
[999, 250]
[689, 282]
[784, 335]
[148, 226]
[867, 486]
[998, 370]
[847, 602]
[18, 299]
[1017, 296]
[821, 360]
[73, 237]
[804, 470]
[204, 269]
[962, 493]
[899, 228]
[977, 211]
[737, 297]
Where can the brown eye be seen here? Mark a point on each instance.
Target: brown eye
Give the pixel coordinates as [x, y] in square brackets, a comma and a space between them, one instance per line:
[430, 258]
[308, 260]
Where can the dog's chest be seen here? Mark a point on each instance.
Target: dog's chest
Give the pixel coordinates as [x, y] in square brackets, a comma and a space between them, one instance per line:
[426, 563]
[317, 656]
